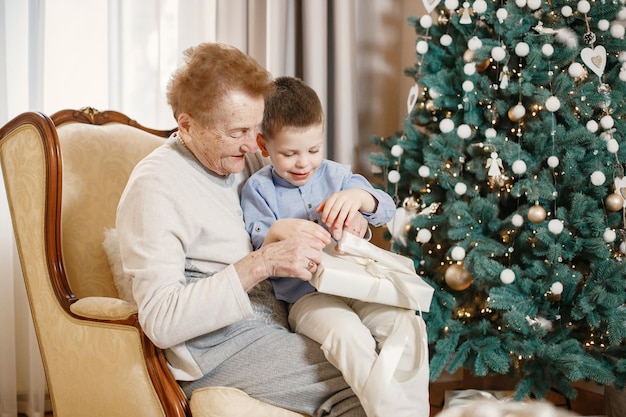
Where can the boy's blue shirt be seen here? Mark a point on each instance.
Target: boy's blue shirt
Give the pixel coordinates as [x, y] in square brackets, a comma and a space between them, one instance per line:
[266, 198]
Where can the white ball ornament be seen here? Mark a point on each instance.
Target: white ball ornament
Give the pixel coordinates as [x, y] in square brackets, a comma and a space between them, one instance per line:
[592, 126]
[617, 31]
[622, 247]
[451, 4]
[547, 49]
[609, 235]
[421, 47]
[468, 86]
[566, 11]
[553, 104]
[433, 93]
[469, 68]
[621, 15]
[457, 253]
[517, 220]
[534, 4]
[522, 49]
[498, 53]
[397, 150]
[583, 6]
[607, 122]
[474, 43]
[555, 226]
[464, 131]
[424, 235]
[507, 276]
[480, 6]
[445, 40]
[426, 21]
[446, 125]
[603, 25]
[519, 167]
[556, 288]
[575, 69]
[491, 133]
[622, 75]
[460, 188]
[502, 14]
[518, 112]
[553, 161]
[393, 176]
[423, 171]
[520, 3]
[612, 145]
[598, 178]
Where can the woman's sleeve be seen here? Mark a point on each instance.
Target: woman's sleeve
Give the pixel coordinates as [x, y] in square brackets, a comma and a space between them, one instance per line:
[152, 245]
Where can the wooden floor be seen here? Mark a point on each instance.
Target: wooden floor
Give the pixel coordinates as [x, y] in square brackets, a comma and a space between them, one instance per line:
[588, 403]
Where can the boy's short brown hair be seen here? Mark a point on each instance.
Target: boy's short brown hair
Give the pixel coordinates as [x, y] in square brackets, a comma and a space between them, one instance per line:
[292, 104]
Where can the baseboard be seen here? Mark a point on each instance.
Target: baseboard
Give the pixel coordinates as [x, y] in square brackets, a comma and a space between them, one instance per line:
[26, 407]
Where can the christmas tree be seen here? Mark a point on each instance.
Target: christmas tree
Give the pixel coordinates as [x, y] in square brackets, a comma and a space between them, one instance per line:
[511, 189]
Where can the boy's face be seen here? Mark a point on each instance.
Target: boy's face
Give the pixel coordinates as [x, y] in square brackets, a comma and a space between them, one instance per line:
[295, 152]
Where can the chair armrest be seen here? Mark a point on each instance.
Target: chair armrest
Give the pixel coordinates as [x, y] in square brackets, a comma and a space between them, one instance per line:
[232, 402]
[103, 308]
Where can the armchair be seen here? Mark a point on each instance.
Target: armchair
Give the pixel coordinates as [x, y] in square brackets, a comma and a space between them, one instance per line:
[64, 175]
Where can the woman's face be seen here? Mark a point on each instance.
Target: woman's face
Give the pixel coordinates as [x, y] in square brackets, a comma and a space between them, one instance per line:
[221, 146]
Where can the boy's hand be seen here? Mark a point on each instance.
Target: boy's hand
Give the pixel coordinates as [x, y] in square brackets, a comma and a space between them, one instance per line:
[284, 229]
[340, 210]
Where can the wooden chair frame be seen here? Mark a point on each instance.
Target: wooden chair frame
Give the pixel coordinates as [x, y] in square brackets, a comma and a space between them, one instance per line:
[171, 397]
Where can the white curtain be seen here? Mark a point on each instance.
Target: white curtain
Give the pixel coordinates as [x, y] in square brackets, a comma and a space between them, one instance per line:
[116, 54]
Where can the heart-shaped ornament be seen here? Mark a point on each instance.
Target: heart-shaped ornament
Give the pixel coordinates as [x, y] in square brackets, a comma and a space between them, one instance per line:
[412, 98]
[430, 5]
[595, 59]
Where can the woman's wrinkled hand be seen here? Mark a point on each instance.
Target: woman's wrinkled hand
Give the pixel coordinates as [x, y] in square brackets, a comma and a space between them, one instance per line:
[295, 257]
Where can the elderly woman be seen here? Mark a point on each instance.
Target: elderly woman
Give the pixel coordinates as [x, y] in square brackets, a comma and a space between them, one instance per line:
[194, 274]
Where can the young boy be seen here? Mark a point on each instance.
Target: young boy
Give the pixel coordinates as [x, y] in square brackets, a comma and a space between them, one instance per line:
[298, 194]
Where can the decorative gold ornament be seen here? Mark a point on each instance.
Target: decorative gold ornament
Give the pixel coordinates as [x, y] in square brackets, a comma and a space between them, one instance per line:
[536, 214]
[468, 56]
[482, 66]
[442, 19]
[458, 278]
[614, 202]
[516, 113]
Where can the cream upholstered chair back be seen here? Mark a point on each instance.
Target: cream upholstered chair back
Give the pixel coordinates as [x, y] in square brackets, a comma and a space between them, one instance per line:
[97, 161]
[64, 176]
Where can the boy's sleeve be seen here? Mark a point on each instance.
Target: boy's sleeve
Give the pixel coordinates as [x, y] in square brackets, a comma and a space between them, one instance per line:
[257, 212]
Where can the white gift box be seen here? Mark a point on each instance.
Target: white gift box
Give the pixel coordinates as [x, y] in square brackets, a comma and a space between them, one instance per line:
[362, 270]
[456, 398]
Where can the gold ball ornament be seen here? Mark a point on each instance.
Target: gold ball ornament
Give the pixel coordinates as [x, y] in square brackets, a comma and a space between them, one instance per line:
[536, 214]
[482, 66]
[516, 113]
[614, 202]
[468, 56]
[458, 278]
